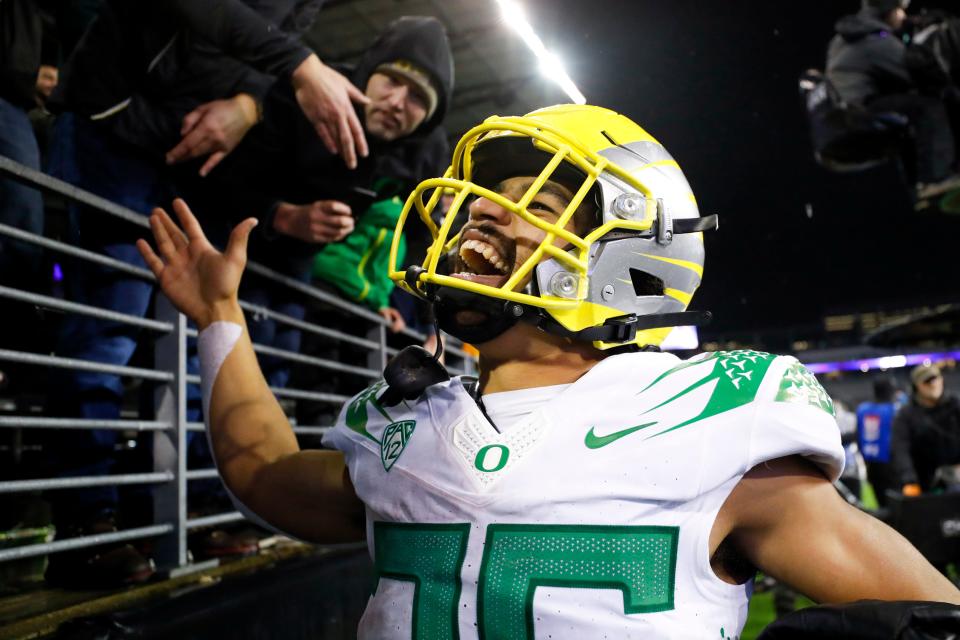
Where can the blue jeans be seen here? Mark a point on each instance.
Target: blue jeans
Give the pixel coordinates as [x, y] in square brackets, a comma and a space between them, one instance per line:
[20, 206]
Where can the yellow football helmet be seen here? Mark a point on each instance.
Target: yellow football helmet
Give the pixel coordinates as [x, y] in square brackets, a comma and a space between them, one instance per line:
[627, 281]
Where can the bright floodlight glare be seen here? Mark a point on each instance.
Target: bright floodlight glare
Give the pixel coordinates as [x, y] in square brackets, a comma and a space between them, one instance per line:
[550, 65]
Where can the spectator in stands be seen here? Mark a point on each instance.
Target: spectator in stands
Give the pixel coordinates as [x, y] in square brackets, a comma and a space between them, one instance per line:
[21, 43]
[926, 432]
[356, 268]
[301, 193]
[139, 68]
[28, 54]
[874, 430]
[867, 66]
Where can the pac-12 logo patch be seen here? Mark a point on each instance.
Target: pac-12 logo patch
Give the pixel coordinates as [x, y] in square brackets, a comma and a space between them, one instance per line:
[396, 435]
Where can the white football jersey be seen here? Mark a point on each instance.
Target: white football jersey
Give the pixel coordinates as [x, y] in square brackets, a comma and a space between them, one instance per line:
[590, 517]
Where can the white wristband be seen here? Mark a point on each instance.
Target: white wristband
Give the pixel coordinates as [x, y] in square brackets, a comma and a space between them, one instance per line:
[214, 344]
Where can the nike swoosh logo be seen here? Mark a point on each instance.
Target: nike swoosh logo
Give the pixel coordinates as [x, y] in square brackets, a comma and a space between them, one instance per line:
[594, 441]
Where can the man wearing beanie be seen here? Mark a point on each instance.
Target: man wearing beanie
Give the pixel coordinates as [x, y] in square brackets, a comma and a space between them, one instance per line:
[926, 432]
[304, 196]
[867, 66]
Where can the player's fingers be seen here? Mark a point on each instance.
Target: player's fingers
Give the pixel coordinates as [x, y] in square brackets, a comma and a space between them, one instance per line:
[154, 263]
[188, 221]
[164, 244]
[356, 130]
[177, 236]
[237, 245]
[211, 162]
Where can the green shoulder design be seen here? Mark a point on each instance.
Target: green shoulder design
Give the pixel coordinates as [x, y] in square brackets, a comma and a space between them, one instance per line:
[799, 386]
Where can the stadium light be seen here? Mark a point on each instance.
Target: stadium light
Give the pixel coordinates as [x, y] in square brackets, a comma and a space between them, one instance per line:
[883, 362]
[550, 65]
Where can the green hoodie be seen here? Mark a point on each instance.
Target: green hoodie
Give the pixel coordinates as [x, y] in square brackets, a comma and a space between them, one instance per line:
[357, 265]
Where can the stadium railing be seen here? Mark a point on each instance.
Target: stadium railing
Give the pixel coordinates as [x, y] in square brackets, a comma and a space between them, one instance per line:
[169, 425]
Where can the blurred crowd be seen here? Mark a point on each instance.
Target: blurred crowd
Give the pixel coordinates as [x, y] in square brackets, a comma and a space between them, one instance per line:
[222, 104]
[891, 88]
[910, 440]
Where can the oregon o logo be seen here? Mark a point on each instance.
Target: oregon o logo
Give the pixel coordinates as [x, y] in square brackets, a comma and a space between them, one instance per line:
[492, 457]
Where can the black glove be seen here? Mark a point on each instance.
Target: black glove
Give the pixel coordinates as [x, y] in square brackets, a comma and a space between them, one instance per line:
[869, 620]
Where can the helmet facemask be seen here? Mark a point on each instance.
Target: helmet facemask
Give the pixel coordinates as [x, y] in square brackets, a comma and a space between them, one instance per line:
[552, 286]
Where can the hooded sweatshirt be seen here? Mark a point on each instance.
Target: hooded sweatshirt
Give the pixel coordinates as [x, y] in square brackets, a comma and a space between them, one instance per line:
[283, 159]
[358, 264]
[866, 59]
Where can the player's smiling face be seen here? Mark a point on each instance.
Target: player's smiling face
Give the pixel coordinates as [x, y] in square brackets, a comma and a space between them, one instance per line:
[494, 242]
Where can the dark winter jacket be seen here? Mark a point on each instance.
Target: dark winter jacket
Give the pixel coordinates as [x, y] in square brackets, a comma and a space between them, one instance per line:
[924, 439]
[866, 59]
[283, 159]
[142, 66]
[21, 40]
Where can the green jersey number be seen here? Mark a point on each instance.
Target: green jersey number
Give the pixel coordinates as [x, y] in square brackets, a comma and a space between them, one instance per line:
[638, 561]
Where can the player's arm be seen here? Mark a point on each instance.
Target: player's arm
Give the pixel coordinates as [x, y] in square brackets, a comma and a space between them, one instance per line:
[305, 493]
[790, 522]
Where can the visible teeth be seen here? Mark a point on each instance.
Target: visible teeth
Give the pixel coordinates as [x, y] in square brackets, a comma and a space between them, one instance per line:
[487, 251]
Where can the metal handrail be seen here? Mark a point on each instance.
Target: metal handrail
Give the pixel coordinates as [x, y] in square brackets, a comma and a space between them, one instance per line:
[323, 363]
[38, 179]
[307, 430]
[30, 551]
[306, 326]
[82, 309]
[30, 422]
[214, 520]
[170, 429]
[202, 474]
[284, 392]
[47, 484]
[70, 250]
[83, 365]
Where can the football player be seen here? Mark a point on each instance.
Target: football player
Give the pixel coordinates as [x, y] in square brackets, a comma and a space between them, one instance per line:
[587, 485]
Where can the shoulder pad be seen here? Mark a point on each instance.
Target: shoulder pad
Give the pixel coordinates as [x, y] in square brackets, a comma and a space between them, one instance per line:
[799, 386]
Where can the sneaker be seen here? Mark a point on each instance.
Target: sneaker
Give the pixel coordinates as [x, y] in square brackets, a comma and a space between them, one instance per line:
[97, 568]
[219, 543]
[932, 189]
[107, 566]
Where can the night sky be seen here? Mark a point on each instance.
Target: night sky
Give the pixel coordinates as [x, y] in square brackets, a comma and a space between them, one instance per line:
[716, 83]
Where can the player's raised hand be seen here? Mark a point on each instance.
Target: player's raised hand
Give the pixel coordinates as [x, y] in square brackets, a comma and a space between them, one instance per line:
[200, 281]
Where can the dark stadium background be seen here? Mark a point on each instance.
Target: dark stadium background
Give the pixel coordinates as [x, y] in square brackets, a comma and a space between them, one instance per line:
[716, 82]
